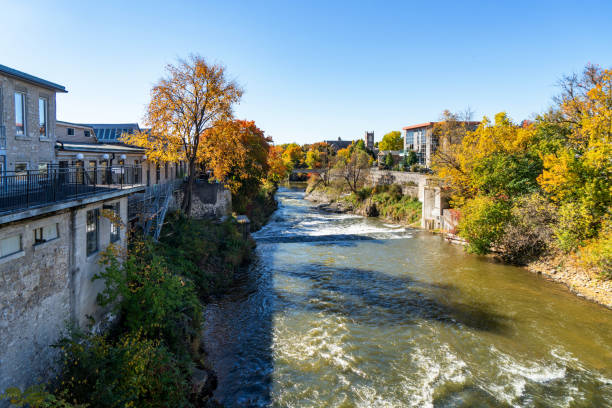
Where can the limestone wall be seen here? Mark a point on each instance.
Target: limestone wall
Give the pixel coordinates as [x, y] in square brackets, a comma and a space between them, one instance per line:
[35, 301]
[210, 200]
[46, 286]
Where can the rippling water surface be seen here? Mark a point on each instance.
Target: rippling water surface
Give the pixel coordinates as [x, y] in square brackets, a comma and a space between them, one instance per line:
[345, 311]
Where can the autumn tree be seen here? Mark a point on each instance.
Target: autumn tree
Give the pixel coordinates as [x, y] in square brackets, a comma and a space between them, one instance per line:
[237, 152]
[576, 148]
[293, 156]
[353, 168]
[392, 141]
[449, 132]
[277, 171]
[195, 97]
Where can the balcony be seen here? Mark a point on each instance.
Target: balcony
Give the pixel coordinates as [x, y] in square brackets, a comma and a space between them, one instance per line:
[37, 188]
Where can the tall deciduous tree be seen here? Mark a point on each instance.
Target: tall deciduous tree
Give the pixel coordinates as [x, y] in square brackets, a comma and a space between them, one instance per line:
[194, 97]
[392, 141]
[353, 168]
[237, 153]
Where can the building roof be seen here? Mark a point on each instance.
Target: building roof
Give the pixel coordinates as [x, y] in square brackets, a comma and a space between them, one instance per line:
[111, 132]
[97, 147]
[79, 125]
[428, 124]
[339, 144]
[32, 79]
[420, 125]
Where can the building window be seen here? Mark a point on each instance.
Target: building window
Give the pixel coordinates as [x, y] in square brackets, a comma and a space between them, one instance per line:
[21, 169]
[166, 171]
[70, 131]
[20, 113]
[93, 221]
[42, 117]
[115, 228]
[157, 173]
[87, 133]
[10, 245]
[46, 233]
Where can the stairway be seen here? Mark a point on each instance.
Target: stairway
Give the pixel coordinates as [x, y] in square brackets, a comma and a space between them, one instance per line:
[156, 201]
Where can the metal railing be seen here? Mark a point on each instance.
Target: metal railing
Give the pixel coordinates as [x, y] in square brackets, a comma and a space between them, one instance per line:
[2, 137]
[32, 188]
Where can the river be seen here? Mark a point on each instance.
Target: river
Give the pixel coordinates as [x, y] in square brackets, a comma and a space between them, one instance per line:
[344, 311]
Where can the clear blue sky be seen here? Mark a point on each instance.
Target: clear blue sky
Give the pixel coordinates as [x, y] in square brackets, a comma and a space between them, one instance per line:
[312, 70]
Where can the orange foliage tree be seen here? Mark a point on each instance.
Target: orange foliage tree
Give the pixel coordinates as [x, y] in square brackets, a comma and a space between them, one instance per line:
[193, 99]
[237, 153]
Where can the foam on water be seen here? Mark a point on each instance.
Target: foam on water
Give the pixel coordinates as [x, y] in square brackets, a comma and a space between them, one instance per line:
[379, 325]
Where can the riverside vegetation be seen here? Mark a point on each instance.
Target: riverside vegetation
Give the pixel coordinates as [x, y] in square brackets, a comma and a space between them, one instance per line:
[151, 354]
[534, 193]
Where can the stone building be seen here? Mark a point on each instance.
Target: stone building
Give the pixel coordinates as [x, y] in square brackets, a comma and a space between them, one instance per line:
[338, 144]
[27, 120]
[369, 140]
[53, 224]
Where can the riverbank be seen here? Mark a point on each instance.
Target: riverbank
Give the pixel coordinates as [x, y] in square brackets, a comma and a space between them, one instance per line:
[339, 310]
[386, 202]
[561, 269]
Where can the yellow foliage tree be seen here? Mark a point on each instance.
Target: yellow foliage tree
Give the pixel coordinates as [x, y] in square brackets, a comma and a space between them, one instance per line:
[193, 98]
[460, 162]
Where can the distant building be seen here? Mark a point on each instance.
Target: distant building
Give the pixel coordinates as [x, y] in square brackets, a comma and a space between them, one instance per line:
[369, 140]
[339, 144]
[420, 139]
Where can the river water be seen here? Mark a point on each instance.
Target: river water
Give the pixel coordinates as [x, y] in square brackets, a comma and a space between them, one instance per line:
[344, 311]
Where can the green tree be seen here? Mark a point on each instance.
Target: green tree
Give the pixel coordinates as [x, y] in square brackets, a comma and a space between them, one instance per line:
[392, 141]
[389, 161]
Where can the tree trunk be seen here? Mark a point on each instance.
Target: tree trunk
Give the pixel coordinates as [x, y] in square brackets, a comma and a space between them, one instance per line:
[187, 197]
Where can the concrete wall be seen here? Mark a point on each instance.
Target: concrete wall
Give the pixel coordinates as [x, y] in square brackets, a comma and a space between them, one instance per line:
[85, 267]
[209, 200]
[417, 185]
[46, 286]
[29, 148]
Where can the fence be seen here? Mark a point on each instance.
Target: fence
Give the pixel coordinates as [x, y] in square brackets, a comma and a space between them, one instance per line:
[31, 188]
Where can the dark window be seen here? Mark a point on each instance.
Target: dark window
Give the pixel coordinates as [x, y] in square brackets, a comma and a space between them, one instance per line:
[157, 173]
[70, 131]
[87, 134]
[166, 171]
[46, 233]
[93, 217]
[115, 228]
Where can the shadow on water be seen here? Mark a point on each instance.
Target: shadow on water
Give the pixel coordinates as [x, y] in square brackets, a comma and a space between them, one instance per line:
[374, 298]
[244, 328]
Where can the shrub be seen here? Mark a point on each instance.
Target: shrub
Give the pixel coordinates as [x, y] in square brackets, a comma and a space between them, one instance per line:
[150, 298]
[36, 397]
[205, 252]
[363, 193]
[569, 231]
[529, 233]
[131, 371]
[483, 222]
[598, 253]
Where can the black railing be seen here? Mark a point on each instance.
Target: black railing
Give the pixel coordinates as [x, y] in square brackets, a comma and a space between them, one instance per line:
[34, 188]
